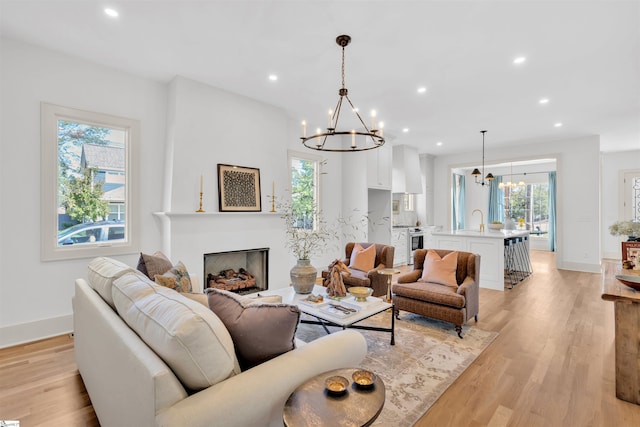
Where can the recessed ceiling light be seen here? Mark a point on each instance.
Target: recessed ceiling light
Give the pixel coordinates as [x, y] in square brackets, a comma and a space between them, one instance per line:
[111, 12]
[439, 143]
[544, 101]
[422, 89]
[519, 60]
[558, 125]
[273, 77]
[405, 130]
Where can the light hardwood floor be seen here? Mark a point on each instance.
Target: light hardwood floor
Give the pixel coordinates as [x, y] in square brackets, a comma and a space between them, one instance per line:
[551, 365]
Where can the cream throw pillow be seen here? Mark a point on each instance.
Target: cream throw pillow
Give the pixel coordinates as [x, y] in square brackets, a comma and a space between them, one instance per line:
[363, 259]
[189, 337]
[440, 270]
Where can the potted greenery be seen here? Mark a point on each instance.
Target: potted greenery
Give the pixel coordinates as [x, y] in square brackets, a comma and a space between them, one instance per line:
[307, 235]
[631, 229]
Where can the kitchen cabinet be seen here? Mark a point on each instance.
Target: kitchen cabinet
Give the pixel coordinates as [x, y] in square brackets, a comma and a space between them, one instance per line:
[399, 241]
[379, 168]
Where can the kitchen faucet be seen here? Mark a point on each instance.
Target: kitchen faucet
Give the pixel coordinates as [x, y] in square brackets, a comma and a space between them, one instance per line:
[481, 219]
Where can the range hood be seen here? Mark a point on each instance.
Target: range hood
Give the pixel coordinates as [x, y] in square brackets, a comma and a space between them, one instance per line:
[406, 177]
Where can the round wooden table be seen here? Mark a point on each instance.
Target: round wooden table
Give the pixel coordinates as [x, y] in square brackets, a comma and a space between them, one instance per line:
[311, 405]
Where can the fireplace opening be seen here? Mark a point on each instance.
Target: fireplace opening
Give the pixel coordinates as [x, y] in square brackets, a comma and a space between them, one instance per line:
[243, 271]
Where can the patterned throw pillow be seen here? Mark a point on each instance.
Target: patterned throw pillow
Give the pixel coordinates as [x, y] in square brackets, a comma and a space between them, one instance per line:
[154, 264]
[363, 259]
[440, 270]
[176, 278]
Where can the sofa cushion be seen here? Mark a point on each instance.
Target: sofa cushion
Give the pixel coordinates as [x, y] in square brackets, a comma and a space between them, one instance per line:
[102, 272]
[440, 270]
[430, 292]
[150, 265]
[363, 259]
[177, 278]
[190, 338]
[260, 331]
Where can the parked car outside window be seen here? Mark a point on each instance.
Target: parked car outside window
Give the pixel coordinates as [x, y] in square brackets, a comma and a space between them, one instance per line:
[92, 232]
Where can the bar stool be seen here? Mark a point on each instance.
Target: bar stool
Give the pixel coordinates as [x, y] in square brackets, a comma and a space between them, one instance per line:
[509, 262]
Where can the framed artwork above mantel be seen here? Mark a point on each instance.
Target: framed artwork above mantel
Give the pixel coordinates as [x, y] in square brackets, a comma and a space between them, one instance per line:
[238, 189]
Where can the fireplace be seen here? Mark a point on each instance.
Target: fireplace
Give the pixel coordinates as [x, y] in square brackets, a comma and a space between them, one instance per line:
[243, 271]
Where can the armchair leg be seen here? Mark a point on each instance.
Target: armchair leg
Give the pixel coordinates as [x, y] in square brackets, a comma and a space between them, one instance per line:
[396, 313]
[476, 317]
[459, 330]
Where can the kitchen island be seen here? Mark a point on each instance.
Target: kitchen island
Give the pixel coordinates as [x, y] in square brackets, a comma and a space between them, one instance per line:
[490, 245]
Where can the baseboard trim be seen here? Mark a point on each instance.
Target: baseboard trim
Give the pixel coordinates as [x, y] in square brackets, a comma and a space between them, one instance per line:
[576, 266]
[33, 331]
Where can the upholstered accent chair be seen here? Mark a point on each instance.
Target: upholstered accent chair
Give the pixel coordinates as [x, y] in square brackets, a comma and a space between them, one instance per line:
[455, 302]
[370, 278]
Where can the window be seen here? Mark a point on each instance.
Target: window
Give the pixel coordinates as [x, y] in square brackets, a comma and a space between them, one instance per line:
[409, 202]
[87, 183]
[305, 171]
[529, 207]
[631, 195]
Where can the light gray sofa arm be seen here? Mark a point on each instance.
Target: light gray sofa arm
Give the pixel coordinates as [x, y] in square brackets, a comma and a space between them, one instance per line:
[243, 400]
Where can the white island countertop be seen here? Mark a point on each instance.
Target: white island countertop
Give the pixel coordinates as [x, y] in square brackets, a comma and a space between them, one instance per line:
[490, 234]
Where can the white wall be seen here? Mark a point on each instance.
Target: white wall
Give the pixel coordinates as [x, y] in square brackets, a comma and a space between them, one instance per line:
[612, 164]
[187, 128]
[35, 296]
[578, 201]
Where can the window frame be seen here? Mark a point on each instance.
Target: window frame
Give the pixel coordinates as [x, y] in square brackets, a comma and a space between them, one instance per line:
[625, 197]
[317, 160]
[50, 114]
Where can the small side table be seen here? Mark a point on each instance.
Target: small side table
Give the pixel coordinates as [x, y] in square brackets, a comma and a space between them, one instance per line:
[310, 405]
[388, 272]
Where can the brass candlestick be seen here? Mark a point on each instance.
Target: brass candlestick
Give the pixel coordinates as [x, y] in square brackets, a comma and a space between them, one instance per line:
[200, 210]
[273, 203]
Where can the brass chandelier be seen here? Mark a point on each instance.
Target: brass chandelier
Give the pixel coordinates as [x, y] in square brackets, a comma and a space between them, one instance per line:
[336, 140]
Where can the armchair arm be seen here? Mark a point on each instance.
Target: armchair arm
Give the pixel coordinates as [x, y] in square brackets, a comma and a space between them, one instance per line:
[378, 281]
[411, 276]
[471, 292]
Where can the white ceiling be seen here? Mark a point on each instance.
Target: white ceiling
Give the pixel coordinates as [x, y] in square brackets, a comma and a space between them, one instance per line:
[584, 56]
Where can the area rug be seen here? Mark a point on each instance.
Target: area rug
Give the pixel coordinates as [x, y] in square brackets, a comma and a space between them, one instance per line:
[426, 360]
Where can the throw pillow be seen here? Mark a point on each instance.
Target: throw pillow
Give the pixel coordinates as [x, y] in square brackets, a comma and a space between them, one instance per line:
[363, 259]
[188, 337]
[259, 331]
[102, 272]
[158, 263]
[440, 270]
[176, 278]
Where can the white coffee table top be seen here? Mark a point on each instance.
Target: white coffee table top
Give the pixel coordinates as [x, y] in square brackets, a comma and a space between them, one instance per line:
[324, 311]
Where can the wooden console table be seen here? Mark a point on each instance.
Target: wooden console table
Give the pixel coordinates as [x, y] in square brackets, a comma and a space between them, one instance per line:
[627, 337]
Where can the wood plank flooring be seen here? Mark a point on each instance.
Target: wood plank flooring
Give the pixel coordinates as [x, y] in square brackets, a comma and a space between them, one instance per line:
[551, 365]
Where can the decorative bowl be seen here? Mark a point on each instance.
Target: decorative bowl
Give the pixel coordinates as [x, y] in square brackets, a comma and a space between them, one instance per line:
[495, 226]
[360, 293]
[336, 384]
[364, 378]
[631, 281]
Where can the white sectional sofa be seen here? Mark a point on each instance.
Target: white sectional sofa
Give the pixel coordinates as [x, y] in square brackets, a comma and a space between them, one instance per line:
[131, 385]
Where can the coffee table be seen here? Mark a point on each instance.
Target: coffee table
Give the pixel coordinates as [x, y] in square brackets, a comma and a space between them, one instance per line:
[326, 316]
[311, 405]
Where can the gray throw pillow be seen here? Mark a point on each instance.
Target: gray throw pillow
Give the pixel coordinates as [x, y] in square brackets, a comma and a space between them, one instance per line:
[259, 331]
[150, 265]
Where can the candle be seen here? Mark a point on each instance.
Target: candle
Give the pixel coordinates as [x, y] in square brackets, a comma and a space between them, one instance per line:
[201, 183]
[381, 129]
[273, 188]
[353, 139]
[373, 119]
[304, 128]
[330, 119]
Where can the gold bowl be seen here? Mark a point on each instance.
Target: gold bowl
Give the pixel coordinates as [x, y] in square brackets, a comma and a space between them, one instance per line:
[336, 384]
[364, 378]
[360, 293]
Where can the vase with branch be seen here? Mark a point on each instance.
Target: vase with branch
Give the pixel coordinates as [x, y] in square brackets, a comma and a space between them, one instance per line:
[631, 229]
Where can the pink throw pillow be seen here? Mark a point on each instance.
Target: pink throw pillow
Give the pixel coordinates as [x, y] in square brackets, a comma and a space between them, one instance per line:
[440, 270]
[363, 259]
